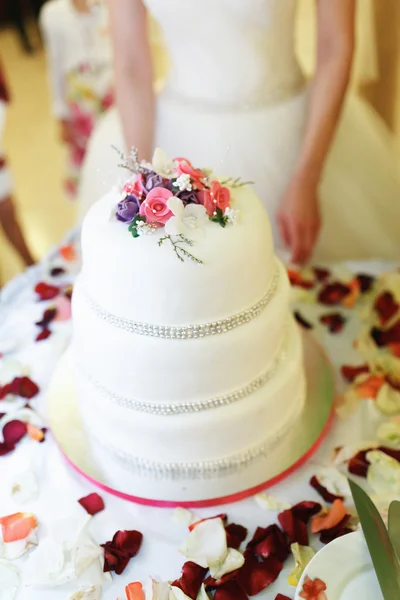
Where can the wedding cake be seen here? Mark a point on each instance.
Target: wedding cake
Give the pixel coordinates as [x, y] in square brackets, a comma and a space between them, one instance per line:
[188, 363]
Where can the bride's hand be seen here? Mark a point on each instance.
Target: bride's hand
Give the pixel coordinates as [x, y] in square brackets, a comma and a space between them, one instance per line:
[299, 219]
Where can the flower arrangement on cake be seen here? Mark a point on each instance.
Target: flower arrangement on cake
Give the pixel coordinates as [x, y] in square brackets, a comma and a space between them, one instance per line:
[176, 197]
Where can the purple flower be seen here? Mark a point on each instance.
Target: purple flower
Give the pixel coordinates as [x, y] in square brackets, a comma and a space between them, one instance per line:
[188, 197]
[152, 180]
[127, 209]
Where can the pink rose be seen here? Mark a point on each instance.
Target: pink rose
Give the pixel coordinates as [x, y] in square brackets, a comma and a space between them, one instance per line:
[155, 208]
[184, 167]
[135, 187]
[217, 197]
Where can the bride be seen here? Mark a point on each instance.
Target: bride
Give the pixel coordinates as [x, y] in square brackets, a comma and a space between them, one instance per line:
[236, 100]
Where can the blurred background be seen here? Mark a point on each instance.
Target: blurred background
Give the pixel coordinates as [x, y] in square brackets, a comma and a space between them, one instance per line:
[32, 143]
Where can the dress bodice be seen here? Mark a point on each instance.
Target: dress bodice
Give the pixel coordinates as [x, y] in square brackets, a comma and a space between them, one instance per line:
[230, 52]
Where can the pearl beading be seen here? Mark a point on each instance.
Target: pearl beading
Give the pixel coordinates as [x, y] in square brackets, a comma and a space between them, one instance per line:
[166, 410]
[203, 470]
[186, 331]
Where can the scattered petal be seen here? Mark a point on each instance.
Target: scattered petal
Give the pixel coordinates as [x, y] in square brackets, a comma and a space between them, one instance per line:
[323, 492]
[302, 556]
[296, 279]
[206, 544]
[366, 282]
[350, 373]
[384, 337]
[86, 552]
[184, 517]
[157, 590]
[13, 432]
[191, 579]
[270, 541]
[389, 433]
[117, 553]
[134, 591]
[93, 503]
[334, 321]
[383, 473]
[305, 510]
[302, 321]
[350, 300]
[295, 528]
[223, 518]
[321, 273]
[48, 316]
[25, 488]
[17, 526]
[177, 594]
[282, 597]
[57, 272]
[333, 293]
[386, 307]
[91, 593]
[388, 400]
[329, 519]
[68, 253]
[230, 591]
[255, 576]
[63, 308]
[43, 335]
[342, 528]
[271, 502]
[46, 291]
[232, 562]
[9, 580]
[46, 563]
[235, 535]
[36, 434]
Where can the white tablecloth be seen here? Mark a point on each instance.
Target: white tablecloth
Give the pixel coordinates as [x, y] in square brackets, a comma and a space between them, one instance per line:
[60, 487]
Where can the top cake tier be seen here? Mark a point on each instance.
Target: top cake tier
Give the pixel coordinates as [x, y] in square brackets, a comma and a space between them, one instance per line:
[175, 247]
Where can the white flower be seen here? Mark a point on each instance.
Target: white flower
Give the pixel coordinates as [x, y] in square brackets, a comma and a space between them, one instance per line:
[187, 220]
[183, 183]
[231, 215]
[161, 164]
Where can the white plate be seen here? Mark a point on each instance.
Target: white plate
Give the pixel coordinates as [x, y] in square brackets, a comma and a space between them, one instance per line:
[346, 568]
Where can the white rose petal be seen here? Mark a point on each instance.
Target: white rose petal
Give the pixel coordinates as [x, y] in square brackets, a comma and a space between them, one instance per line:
[86, 553]
[177, 594]
[157, 590]
[206, 544]
[203, 594]
[46, 563]
[384, 473]
[68, 531]
[90, 593]
[271, 502]
[334, 481]
[234, 560]
[184, 517]
[25, 488]
[14, 550]
[9, 581]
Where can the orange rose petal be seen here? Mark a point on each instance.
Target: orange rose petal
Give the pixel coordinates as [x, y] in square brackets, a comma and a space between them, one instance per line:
[395, 349]
[330, 519]
[350, 300]
[35, 433]
[370, 387]
[68, 253]
[134, 591]
[17, 526]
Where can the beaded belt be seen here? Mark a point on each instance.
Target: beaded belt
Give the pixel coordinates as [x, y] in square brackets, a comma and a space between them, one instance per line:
[186, 331]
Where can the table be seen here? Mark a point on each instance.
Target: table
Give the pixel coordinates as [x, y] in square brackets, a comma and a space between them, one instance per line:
[60, 488]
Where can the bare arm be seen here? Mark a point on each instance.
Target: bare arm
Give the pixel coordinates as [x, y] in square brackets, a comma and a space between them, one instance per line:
[133, 73]
[335, 49]
[298, 215]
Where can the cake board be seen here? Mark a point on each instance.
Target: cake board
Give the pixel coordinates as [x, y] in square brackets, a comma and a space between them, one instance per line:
[289, 454]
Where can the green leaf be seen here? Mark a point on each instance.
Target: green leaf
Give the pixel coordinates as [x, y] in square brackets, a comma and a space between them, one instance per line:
[383, 555]
[394, 525]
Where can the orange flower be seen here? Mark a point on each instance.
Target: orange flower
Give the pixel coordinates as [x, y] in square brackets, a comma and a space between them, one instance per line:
[313, 590]
[370, 387]
[329, 519]
[17, 527]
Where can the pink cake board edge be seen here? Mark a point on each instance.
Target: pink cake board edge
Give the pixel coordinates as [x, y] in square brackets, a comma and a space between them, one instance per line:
[217, 501]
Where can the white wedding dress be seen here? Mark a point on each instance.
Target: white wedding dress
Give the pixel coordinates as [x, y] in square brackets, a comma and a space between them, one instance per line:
[236, 101]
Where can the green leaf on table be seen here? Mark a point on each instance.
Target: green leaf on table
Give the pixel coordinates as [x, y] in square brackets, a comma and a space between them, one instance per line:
[394, 525]
[383, 554]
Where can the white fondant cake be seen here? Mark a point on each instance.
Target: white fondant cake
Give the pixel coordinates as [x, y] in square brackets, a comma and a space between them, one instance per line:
[188, 363]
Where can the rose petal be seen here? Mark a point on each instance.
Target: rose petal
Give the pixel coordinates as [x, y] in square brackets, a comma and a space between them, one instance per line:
[330, 519]
[232, 562]
[334, 321]
[282, 597]
[333, 293]
[212, 583]
[6, 449]
[9, 580]
[206, 544]
[13, 432]
[328, 535]
[302, 321]
[223, 518]
[296, 280]
[17, 526]
[63, 308]
[191, 579]
[184, 517]
[386, 307]
[235, 535]
[321, 273]
[93, 503]
[48, 316]
[91, 593]
[177, 594]
[389, 433]
[323, 492]
[270, 541]
[388, 400]
[302, 556]
[43, 335]
[86, 552]
[25, 488]
[255, 576]
[350, 373]
[230, 591]
[57, 272]
[46, 291]
[117, 553]
[305, 510]
[45, 563]
[295, 528]
[370, 387]
[366, 282]
[384, 337]
[68, 253]
[134, 591]
[271, 502]
[383, 473]
[24, 387]
[358, 464]
[35, 433]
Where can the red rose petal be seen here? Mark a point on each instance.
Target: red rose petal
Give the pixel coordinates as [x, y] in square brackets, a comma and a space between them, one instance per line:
[282, 597]
[302, 321]
[43, 335]
[295, 528]
[230, 591]
[385, 337]
[46, 291]
[333, 293]
[222, 516]
[48, 316]
[321, 273]
[334, 321]
[366, 282]
[24, 387]
[255, 576]
[273, 542]
[93, 503]
[305, 510]
[5, 390]
[328, 535]
[323, 492]
[117, 553]
[386, 307]
[57, 271]
[358, 464]
[13, 432]
[6, 449]
[212, 583]
[350, 373]
[191, 579]
[235, 535]
[296, 280]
